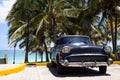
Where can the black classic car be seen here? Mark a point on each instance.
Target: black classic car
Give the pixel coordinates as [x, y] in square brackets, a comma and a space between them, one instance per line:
[79, 51]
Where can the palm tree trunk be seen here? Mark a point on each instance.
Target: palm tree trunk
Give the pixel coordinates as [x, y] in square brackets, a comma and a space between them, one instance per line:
[42, 56]
[116, 31]
[27, 44]
[112, 33]
[36, 57]
[27, 37]
[26, 56]
[47, 59]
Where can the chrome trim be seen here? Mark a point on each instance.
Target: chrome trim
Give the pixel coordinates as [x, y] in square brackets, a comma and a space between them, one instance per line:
[110, 61]
[107, 49]
[66, 49]
[66, 63]
[87, 54]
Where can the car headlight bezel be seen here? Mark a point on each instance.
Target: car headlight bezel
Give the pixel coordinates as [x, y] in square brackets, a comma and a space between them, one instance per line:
[66, 49]
[107, 49]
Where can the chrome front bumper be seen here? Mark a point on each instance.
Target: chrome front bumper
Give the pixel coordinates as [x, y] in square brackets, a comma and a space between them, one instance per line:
[85, 64]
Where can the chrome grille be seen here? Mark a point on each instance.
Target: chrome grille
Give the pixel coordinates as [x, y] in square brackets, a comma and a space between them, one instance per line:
[85, 50]
[86, 58]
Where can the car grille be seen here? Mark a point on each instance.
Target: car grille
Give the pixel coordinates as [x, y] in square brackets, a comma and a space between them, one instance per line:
[86, 58]
[86, 50]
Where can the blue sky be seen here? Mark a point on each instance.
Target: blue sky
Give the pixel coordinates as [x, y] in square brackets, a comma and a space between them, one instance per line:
[5, 6]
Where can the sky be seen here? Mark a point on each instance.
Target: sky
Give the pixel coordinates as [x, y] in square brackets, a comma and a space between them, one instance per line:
[5, 7]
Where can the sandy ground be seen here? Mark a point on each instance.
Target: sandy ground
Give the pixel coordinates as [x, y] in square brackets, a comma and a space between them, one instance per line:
[49, 73]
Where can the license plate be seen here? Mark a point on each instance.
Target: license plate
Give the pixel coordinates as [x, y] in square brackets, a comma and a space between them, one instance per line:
[88, 64]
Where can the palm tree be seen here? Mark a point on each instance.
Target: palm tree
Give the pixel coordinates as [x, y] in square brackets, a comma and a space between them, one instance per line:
[110, 10]
[17, 18]
[53, 18]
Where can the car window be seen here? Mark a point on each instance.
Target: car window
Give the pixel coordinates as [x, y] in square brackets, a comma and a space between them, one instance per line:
[68, 40]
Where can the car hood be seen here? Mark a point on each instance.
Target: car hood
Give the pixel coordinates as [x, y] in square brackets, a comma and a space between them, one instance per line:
[84, 48]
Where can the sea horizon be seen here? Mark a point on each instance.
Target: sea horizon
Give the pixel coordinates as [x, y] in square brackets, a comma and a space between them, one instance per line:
[19, 56]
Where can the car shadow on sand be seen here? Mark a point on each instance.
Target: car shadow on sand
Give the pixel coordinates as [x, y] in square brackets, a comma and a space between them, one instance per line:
[77, 72]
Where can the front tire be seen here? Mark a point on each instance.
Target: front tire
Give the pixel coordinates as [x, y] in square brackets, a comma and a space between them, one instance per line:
[60, 68]
[102, 69]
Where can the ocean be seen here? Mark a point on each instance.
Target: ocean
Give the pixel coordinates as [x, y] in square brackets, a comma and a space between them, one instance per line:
[19, 56]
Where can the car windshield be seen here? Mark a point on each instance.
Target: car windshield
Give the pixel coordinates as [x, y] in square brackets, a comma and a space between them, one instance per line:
[74, 39]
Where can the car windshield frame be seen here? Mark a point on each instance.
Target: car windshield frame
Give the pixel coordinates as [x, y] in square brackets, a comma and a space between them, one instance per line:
[74, 39]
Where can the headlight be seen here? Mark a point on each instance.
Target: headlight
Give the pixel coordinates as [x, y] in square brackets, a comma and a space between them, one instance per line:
[66, 49]
[107, 49]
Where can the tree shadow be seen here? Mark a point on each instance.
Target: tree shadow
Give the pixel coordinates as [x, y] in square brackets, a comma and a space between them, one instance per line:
[76, 72]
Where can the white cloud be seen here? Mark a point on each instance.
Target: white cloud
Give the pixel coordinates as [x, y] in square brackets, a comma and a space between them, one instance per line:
[5, 8]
